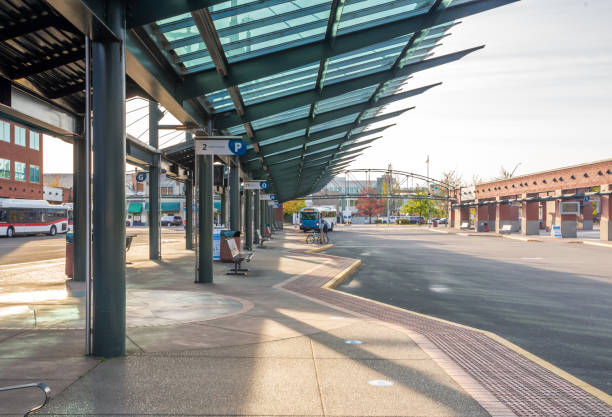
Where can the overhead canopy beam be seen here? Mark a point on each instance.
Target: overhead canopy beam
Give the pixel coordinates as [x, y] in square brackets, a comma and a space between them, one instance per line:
[72, 54]
[271, 107]
[329, 116]
[251, 69]
[33, 24]
[142, 12]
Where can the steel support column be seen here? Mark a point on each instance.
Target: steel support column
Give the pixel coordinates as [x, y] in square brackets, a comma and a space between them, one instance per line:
[109, 187]
[205, 218]
[189, 214]
[248, 219]
[262, 217]
[79, 211]
[223, 214]
[154, 173]
[256, 215]
[234, 185]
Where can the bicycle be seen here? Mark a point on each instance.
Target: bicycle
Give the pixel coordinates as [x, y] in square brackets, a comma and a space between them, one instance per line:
[317, 237]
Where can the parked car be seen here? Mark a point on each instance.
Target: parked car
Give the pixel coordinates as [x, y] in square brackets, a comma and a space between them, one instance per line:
[171, 221]
[443, 220]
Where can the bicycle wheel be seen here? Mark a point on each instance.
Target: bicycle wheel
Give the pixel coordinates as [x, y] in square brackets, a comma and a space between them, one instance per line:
[310, 238]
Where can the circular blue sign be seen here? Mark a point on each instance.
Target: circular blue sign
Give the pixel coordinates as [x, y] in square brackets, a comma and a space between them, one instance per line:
[237, 146]
[263, 185]
[141, 176]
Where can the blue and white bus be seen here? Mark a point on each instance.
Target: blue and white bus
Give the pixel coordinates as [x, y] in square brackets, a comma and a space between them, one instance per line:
[318, 217]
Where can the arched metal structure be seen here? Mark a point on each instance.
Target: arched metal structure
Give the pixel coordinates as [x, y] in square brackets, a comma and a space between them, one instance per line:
[382, 183]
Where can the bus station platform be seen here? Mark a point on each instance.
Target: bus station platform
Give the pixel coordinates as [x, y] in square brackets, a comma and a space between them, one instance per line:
[278, 342]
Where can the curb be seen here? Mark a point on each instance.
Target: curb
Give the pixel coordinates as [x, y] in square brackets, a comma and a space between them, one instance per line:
[342, 276]
[320, 248]
[522, 239]
[603, 245]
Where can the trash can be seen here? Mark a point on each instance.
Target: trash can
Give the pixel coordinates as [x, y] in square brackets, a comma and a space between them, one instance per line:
[434, 223]
[69, 271]
[225, 253]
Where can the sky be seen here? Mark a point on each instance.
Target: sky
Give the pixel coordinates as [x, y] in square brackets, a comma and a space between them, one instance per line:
[538, 95]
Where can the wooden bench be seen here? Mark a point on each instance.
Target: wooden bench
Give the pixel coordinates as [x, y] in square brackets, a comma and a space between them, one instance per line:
[261, 239]
[238, 258]
[506, 229]
[464, 225]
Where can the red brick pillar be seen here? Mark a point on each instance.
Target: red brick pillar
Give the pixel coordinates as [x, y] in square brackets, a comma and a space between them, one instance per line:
[481, 222]
[507, 213]
[451, 217]
[605, 228]
[531, 218]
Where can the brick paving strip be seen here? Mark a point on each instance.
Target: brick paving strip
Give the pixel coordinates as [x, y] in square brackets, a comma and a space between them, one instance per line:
[503, 381]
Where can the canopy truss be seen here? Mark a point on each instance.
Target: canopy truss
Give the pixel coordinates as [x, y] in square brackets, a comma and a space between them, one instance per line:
[307, 83]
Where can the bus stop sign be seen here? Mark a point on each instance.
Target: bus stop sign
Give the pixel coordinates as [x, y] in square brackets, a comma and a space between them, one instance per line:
[220, 145]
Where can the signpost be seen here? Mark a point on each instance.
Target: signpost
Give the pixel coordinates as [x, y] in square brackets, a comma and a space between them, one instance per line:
[556, 231]
[255, 185]
[267, 197]
[220, 145]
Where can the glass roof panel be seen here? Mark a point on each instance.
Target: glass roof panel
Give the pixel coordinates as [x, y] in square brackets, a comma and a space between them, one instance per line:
[284, 137]
[378, 12]
[279, 85]
[325, 139]
[220, 100]
[269, 29]
[236, 130]
[354, 97]
[338, 122]
[286, 116]
[294, 148]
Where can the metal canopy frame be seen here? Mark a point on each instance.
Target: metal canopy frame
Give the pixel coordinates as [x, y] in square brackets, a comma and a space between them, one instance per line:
[303, 81]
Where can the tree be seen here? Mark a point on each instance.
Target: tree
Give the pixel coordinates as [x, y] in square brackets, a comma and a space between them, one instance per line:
[370, 206]
[454, 181]
[423, 206]
[293, 206]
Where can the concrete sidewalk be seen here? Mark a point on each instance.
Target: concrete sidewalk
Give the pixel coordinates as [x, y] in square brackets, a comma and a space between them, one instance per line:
[274, 343]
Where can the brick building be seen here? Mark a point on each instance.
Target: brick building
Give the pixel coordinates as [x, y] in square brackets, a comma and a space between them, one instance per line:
[21, 162]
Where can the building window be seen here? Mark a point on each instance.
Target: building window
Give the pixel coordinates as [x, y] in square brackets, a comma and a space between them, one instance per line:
[5, 131]
[34, 140]
[5, 169]
[20, 171]
[34, 174]
[20, 136]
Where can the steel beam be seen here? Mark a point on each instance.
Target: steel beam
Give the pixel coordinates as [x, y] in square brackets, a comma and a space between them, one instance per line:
[79, 210]
[109, 188]
[248, 220]
[141, 13]
[234, 184]
[256, 215]
[205, 216]
[189, 214]
[251, 69]
[154, 191]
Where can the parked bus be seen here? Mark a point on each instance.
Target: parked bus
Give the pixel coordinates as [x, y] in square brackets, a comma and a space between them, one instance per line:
[317, 217]
[329, 214]
[31, 217]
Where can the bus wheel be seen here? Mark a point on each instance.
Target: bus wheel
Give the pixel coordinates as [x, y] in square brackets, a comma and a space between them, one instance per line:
[10, 232]
[53, 231]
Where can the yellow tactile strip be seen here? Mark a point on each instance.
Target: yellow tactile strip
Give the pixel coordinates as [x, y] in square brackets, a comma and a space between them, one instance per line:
[522, 385]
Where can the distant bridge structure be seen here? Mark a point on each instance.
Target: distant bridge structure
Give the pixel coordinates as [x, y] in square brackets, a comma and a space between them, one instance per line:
[394, 184]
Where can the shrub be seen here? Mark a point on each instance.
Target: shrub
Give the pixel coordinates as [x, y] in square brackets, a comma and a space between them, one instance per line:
[402, 221]
[378, 221]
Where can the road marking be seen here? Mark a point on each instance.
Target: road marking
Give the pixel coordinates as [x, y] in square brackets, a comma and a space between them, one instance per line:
[532, 259]
[33, 262]
[381, 383]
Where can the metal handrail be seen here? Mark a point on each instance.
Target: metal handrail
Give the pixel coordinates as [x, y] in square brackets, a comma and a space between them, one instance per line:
[43, 387]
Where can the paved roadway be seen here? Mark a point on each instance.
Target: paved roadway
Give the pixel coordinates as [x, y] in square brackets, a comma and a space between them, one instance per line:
[553, 299]
[26, 249]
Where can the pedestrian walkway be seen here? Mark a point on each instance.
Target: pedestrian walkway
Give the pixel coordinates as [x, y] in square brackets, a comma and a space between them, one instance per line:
[279, 345]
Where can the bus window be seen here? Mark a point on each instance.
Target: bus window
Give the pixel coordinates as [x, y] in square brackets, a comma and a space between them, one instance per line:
[3, 216]
[309, 215]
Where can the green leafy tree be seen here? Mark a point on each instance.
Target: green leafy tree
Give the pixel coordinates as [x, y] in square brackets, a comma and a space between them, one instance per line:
[423, 206]
[293, 206]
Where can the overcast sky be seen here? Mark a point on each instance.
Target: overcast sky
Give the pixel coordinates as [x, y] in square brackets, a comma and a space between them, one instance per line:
[539, 94]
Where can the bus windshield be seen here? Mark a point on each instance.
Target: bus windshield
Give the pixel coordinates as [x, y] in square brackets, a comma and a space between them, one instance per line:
[308, 215]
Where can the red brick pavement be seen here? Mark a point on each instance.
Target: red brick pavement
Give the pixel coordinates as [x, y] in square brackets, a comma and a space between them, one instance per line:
[525, 387]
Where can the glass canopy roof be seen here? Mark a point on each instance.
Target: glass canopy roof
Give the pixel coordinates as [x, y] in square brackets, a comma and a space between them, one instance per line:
[302, 80]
